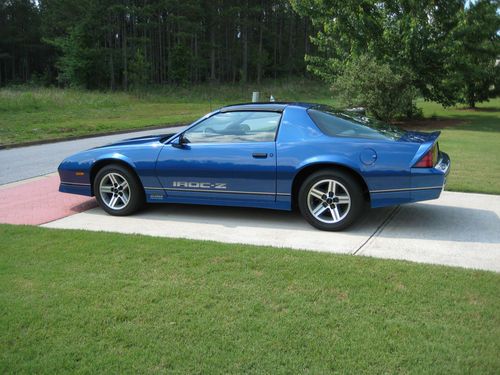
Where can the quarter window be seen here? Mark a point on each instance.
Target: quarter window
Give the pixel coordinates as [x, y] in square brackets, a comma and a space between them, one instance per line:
[336, 123]
[235, 127]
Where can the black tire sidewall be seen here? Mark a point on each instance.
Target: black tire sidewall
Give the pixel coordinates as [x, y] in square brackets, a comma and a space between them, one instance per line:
[136, 192]
[354, 190]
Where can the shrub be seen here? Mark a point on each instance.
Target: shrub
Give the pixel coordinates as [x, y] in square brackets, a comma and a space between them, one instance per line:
[384, 93]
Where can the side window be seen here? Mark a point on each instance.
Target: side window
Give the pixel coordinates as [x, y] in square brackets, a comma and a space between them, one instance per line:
[235, 127]
[343, 124]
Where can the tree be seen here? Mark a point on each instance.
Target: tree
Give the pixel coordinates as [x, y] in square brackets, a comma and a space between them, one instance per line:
[367, 83]
[95, 43]
[79, 31]
[138, 70]
[475, 51]
[409, 36]
[180, 64]
[73, 65]
[22, 52]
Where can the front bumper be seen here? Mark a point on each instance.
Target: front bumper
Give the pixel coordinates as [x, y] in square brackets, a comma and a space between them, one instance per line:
[72, 183]
[71, 188]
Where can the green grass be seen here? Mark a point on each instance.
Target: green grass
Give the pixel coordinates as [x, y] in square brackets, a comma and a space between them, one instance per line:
[43, 114]
[33, 114]
[474, 147]
[111, 303]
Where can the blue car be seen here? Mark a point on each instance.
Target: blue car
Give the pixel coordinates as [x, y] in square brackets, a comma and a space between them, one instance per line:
[328, 163]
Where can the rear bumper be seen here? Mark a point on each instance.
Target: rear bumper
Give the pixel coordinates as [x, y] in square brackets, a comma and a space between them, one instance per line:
[444, 164]
[428, 183]
[425, 184]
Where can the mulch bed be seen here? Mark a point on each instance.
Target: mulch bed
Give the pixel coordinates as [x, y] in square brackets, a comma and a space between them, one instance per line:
[428, 124]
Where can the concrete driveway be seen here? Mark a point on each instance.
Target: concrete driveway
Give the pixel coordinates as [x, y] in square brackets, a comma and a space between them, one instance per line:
[459, 229]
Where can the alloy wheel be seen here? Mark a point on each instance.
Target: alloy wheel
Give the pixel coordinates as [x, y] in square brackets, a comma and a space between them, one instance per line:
[328, 201]
[114, 190]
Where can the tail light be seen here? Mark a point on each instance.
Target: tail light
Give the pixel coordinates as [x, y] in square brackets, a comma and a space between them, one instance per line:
[429, 159]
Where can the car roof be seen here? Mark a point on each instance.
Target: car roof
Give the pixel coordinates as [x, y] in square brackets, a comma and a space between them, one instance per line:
[263, 106]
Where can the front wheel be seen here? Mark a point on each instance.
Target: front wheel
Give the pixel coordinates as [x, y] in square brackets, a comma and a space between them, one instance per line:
[118, 191]
[330, 200]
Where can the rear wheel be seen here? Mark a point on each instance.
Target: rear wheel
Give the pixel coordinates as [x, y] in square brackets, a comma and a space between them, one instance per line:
[330, 200]
[118, 191]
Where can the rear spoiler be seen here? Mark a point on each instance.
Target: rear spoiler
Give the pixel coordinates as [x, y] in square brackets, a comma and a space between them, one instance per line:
[430, 140]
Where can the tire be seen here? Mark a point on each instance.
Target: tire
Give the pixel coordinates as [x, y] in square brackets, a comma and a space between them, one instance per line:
[327, 211]
[118, 191]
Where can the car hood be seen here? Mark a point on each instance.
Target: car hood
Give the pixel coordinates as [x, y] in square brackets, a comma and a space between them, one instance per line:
[139, 140]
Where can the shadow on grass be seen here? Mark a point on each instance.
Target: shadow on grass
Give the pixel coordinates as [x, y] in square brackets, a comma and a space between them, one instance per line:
[477, 109]
[486, 117]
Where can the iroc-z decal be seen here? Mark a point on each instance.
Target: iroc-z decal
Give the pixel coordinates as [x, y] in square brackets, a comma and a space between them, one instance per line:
[199, 185]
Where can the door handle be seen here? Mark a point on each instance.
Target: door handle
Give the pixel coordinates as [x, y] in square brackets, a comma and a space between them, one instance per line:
[259, 155]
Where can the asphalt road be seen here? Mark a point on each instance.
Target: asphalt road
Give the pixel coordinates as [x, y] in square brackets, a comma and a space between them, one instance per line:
[26, 162]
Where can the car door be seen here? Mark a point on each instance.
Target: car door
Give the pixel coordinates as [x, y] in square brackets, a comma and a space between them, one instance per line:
[228, 157]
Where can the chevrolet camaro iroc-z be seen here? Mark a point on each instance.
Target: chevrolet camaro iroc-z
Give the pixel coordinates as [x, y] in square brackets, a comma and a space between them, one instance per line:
[329, 164]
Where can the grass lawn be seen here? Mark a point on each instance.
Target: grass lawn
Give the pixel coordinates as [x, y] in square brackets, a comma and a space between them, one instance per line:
[42, 114]
[112, 303]
[474, 146]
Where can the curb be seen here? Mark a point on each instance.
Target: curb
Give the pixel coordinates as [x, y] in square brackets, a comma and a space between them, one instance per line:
[77, 137]
[9, 185]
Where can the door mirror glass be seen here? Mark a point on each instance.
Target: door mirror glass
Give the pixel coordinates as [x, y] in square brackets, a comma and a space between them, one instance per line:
[180, 141]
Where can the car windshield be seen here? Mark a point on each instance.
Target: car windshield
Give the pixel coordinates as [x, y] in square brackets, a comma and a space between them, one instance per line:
[337, 123]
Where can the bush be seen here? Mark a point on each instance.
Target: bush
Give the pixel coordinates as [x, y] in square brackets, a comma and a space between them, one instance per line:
[385, 94]
[138, 69]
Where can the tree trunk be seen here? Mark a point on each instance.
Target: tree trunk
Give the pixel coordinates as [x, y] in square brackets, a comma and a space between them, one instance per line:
[259, 61]
[169, 53]
[160, 52]
[111, 63]
[13, 61]
[196, 70]
[471, 98]
[244, 67]
[278, 59]
[124, 53]
[212, 51]
[290, 43]
[234, 59]
[27, 71]
[275, 43]
[306, 38]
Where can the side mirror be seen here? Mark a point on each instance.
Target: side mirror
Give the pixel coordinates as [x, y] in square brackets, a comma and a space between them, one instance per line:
[179, 142]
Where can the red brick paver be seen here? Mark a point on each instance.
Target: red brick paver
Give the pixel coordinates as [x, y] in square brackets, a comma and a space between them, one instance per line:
[38, 201]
